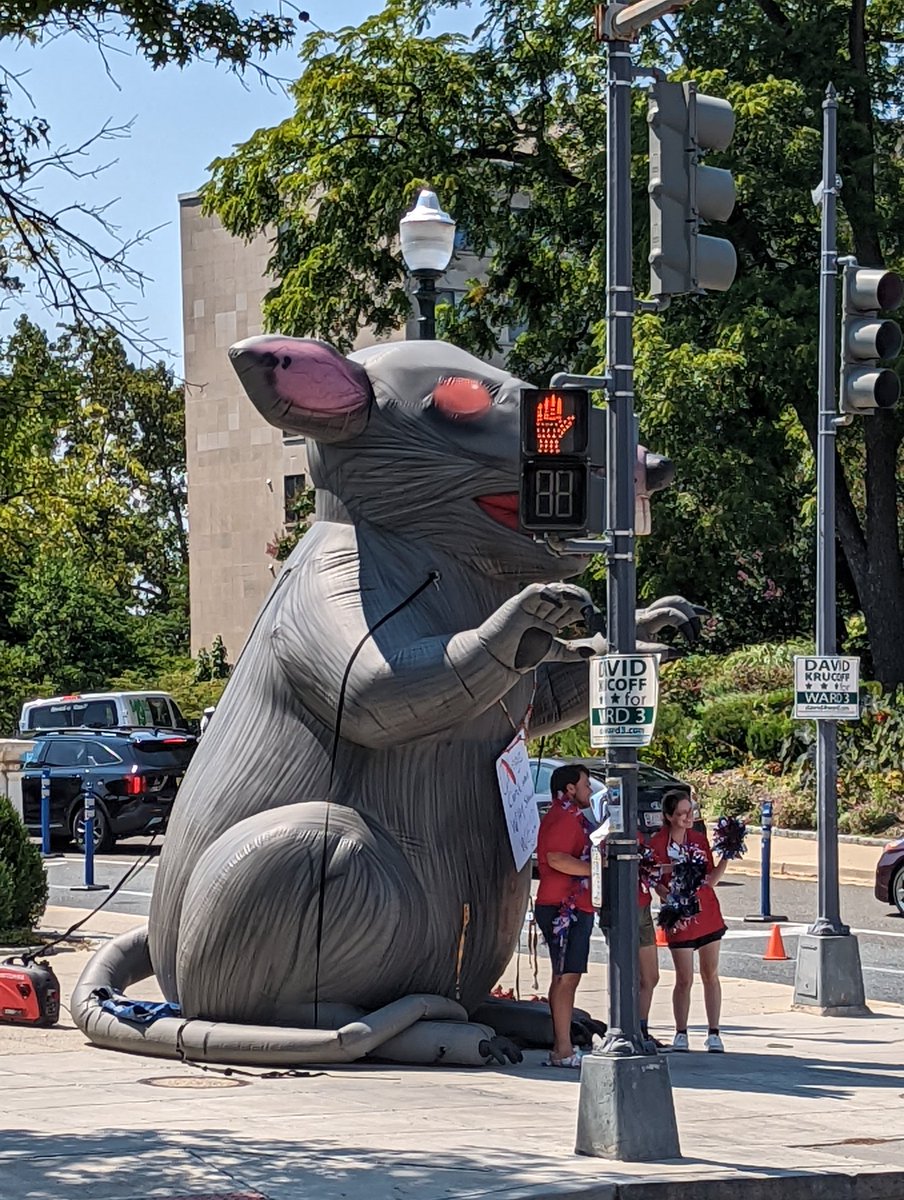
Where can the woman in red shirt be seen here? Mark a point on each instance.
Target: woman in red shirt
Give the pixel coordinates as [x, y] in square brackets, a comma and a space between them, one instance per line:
[701, 933]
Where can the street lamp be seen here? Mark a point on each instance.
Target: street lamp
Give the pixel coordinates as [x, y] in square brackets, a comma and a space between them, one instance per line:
[427, 235]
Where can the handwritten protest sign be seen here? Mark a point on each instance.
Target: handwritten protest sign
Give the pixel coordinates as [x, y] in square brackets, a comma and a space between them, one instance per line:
[516, 787]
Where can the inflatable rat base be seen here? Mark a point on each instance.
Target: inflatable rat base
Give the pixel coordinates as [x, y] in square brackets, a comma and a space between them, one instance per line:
[336, 879]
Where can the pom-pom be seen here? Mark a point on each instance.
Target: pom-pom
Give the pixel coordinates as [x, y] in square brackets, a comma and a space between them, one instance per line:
[689, 872]
[682, 905]
[649, 871]
[728, 838]
[676, 913]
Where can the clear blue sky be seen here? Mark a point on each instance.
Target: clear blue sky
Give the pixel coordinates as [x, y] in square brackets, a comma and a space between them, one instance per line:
[181, 122]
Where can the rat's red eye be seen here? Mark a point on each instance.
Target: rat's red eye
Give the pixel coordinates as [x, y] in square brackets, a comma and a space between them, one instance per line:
[461, 399]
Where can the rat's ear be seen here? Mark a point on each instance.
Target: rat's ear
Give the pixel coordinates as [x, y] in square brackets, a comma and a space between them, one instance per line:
[303, 386]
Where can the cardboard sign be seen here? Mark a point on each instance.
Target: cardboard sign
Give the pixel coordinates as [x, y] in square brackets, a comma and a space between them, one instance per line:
[516, 787]
[826, 688]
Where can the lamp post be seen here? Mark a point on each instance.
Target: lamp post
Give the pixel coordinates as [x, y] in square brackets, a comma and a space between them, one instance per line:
[427, 236]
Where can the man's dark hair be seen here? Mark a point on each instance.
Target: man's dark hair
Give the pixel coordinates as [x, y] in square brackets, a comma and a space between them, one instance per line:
[562, 776]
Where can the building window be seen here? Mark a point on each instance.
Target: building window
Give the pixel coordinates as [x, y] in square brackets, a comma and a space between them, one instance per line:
[449, 296]
[294, 488]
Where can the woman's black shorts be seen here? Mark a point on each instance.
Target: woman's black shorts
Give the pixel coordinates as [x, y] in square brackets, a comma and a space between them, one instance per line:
[696, 943]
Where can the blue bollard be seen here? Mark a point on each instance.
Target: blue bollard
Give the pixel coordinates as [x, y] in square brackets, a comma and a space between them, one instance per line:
[89, 885]
[766, 858]
[765, 914]
[45, 813]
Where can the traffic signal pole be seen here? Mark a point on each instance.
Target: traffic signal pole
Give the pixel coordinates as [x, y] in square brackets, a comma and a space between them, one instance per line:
[625, 1108]
[621, 577]
[828, 974]
[829, 918]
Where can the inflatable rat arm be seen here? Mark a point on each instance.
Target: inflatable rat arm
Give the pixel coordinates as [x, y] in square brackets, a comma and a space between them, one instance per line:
[435, 683]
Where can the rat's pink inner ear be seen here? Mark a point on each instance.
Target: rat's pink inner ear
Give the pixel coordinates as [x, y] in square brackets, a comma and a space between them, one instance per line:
[462, 399]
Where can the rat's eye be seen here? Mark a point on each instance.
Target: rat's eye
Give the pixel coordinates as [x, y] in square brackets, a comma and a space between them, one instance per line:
[461, 399]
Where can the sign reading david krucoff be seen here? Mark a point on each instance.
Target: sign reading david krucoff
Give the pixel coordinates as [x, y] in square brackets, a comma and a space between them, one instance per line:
[624, 690]
[826, 688]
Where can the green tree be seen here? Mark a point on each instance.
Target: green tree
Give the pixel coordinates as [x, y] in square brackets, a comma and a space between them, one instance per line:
[93, 544]
[508, 125]
[55, 247]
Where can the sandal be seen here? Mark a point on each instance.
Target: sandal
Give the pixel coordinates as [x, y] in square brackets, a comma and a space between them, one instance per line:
[572, 1061]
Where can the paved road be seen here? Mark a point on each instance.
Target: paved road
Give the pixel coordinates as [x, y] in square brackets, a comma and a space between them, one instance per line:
[880, 929]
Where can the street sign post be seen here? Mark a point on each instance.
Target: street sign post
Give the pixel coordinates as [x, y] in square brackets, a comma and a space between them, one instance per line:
[826, 688]
[828, 976]
[624, 691]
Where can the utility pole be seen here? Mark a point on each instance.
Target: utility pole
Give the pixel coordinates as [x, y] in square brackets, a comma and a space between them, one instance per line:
[625, 1108]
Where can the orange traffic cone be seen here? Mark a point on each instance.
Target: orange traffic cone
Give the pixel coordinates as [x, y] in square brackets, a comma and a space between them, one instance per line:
[661, 939]
[775, 950]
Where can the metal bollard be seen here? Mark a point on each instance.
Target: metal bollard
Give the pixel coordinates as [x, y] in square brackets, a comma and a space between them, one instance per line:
[45, 813]
[765, 914]
[89, 885]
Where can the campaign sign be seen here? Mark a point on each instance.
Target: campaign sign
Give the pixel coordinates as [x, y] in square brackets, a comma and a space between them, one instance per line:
[624, 691]
[826, 688]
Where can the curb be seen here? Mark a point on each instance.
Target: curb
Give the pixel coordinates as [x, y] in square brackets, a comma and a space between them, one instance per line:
[851, 876]
[810, 835]
[809, 1185]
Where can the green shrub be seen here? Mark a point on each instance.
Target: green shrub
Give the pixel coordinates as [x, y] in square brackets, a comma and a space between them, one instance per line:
[7, 897]
[768, 735]
[731, 798]
[795, 809]
[21, 863]
[725, 721]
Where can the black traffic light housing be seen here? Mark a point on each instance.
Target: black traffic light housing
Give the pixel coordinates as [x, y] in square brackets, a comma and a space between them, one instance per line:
[867, 339]
[562, 459]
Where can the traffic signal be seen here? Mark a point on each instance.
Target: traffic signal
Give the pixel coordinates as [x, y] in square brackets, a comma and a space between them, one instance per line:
[867, 338]
[685, 194]
[562, 441]
[652, 473]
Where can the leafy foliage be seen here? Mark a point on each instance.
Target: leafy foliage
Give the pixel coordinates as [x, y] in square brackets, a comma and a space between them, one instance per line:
[93, 534]
[74, 254]
[23, 882]
[509, 127]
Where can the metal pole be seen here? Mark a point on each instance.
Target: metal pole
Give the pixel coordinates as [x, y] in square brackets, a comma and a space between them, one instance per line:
[426, 299]
[88, 814]
[45, 814]
[625, 1107]
[621, 583]
[828, 920]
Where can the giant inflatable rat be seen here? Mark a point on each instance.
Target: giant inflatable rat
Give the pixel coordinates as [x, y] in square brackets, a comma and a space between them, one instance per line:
[337, 878]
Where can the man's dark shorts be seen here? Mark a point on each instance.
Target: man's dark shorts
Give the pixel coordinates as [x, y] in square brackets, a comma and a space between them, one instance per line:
[577, 942]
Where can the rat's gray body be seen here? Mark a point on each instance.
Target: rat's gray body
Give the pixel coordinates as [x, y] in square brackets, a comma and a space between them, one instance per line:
[286, 898]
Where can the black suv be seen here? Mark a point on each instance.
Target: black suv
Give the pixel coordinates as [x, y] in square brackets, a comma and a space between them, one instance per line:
[134, 774]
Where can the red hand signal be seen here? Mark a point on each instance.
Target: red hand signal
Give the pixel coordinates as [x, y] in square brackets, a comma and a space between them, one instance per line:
[550, 425]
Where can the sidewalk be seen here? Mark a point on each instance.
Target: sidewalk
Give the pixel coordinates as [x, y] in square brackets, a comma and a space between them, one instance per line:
[794, 856]
[801, 1107]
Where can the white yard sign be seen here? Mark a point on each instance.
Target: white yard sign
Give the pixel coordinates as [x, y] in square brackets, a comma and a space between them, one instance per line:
[826, 688]
[516, 787]
[624, 691]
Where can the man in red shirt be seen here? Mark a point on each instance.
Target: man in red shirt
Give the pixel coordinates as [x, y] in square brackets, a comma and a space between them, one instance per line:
[563, 908]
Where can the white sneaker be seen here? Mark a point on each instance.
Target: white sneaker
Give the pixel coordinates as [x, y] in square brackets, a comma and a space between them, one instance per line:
[714, 1044]
[680, 1042]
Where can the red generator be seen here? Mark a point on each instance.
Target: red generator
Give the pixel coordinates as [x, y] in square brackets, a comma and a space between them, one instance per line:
[29, 993]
